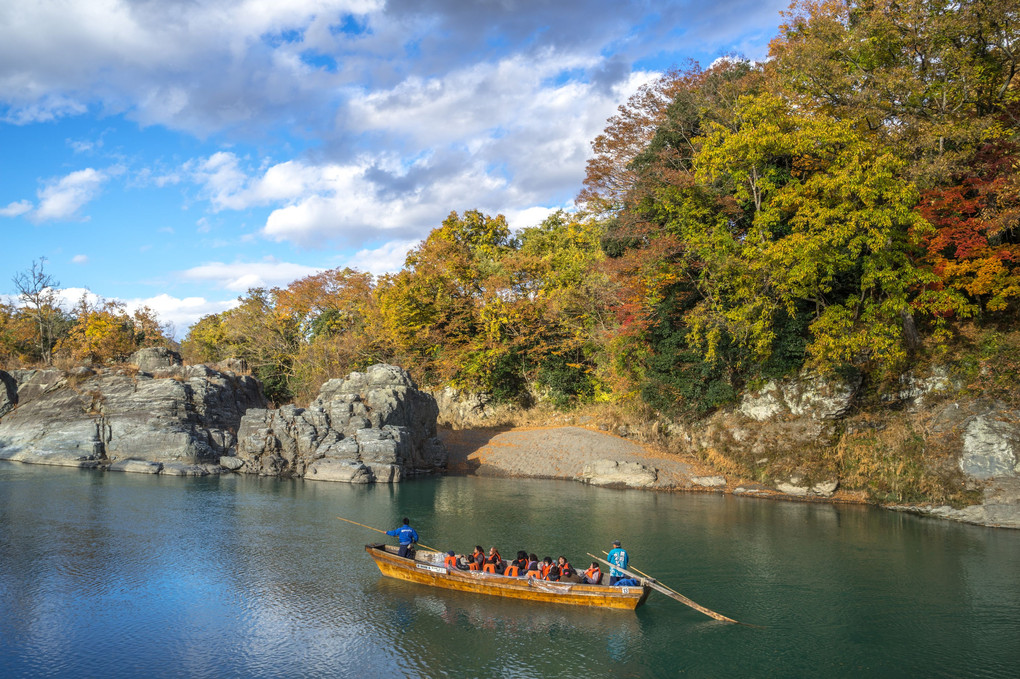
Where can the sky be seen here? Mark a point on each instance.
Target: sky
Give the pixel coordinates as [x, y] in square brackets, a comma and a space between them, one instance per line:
[175, 153]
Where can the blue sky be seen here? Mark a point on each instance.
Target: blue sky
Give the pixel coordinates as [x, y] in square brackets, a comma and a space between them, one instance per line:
[175, 153]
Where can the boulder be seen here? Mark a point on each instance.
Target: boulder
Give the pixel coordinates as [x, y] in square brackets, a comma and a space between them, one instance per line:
[991, 446]
[105, 417]
[136, 467]
[370, 427]
[816, 396]
[151, 359]
[616, 473]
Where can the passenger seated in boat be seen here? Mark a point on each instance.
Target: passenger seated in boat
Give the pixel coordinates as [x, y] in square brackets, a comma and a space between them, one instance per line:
[451, 561]
[533, 570]
[567, 573]
[553, 574]
[545, 565]
[593, 576]
[518, 565]
[477, 559]
[493, 562]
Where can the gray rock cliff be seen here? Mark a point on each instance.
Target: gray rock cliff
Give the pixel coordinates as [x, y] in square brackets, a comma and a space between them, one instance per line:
[187, 416]
[374, 426]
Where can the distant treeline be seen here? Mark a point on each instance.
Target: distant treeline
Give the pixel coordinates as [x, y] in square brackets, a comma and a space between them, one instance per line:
[848, 204]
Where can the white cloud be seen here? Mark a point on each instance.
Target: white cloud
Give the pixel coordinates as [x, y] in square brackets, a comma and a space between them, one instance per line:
[62, 198]
[388, 258]
[15, 209]
[80, 259]
[510, 157]
[182, 313]
[240, 276]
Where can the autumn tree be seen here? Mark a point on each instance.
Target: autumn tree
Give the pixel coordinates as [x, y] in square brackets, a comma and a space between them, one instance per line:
[432, 309]
[929, 78]
[102, 332]
[37, 291]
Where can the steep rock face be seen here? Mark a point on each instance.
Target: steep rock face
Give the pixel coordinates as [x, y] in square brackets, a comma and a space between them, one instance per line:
[374, 426]
[809, 395]
[95, 418]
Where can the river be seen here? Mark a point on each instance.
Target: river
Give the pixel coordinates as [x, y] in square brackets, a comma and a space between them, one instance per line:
[123, 575]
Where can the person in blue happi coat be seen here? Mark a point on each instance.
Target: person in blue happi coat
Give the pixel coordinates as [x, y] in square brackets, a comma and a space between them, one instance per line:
[619, 558]
[407, 536]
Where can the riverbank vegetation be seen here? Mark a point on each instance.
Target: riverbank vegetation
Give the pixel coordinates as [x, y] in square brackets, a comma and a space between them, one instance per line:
[849, 206]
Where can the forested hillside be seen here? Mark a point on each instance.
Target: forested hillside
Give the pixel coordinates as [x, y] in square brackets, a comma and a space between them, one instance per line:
[850, 205]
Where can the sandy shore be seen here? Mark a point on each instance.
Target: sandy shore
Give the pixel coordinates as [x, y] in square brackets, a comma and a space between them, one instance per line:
[556, 453]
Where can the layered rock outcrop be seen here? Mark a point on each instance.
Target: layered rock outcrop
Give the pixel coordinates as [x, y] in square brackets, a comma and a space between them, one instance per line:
[179, 419]
[374, 426]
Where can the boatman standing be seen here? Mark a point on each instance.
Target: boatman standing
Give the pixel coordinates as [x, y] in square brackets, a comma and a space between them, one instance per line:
[619, 558]
[407, 536]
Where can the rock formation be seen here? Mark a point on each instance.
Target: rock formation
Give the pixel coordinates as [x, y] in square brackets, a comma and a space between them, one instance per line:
[374, 426]
[178, 419]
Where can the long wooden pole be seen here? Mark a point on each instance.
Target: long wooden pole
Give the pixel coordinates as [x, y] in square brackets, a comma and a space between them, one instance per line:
[384, 532]
[638, 570]
[673, 594]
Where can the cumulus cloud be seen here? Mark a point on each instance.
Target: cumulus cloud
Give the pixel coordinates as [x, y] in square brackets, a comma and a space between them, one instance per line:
[62, 198]
[387, 258]
[180, 313]
[521, 153]
[15, 209]
[80, 259]
[240, 276]
[206, 66]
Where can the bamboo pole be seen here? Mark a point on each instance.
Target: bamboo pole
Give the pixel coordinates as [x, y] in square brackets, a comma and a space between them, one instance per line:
[422, 544]
[671, 593]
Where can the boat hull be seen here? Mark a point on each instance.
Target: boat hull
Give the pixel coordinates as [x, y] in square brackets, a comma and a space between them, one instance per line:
[427, 569]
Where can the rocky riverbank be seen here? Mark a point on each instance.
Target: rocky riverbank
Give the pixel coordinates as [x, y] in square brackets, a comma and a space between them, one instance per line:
[807, 439]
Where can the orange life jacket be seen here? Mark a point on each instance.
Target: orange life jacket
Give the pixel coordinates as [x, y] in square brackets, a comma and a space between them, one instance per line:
[594, 574]
[565, 568]
[489, 568]
[450, 562]
[533, 570]
[545, 570]
[495, 558]
[512, 571]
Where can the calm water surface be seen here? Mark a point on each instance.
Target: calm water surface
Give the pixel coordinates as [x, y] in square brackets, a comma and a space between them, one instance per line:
[123, 575]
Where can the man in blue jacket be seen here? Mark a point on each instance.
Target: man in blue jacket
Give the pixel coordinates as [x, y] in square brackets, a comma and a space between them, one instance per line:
[407, 536]
[619, 558]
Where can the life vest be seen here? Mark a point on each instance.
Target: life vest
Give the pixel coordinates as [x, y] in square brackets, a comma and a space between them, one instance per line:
[494, 558]
[474, 566]
[545, 570]
[565, 569]
[594, 574]
[512, 571]
[489, 568]
[450, 562]
[533, 570]
[552, 576]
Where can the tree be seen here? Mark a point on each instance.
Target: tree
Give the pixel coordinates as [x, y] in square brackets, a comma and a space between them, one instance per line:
[432, 310]
[102, 332]
[928, 77]
[37, 290]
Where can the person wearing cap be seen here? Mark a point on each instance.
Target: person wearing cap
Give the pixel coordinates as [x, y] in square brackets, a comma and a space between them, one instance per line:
[407, 537]
[618, 557]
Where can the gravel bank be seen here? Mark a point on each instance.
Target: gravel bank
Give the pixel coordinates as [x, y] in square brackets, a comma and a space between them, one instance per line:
[554, 453]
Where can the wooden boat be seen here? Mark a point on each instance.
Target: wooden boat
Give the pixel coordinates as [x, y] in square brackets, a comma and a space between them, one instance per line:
[427, 568]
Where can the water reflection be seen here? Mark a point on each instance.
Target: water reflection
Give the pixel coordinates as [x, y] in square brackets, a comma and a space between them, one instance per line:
[131, 575]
